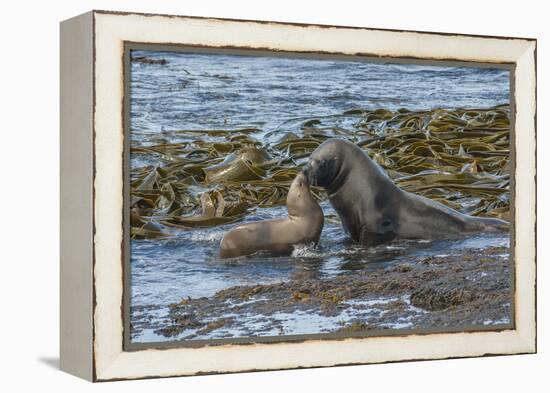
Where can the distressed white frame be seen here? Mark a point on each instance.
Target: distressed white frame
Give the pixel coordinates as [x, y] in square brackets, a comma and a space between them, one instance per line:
[111, 30]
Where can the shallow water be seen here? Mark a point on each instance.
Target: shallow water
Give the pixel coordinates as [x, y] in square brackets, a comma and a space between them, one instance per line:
[199, 91]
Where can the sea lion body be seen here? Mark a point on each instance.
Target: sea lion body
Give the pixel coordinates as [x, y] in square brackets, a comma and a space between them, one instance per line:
[373, 209]
[302, 226]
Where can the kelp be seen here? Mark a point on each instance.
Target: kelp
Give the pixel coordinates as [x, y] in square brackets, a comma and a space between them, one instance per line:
[148, 60]
[243, 165]
[206, 178]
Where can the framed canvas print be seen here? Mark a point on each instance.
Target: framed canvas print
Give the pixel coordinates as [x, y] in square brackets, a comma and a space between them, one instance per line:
[246, 195]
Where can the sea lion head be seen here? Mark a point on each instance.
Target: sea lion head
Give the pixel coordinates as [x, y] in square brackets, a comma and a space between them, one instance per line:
[299, 198]
[325, 163]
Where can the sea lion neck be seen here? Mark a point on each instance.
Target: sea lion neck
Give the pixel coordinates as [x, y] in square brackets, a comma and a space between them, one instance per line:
[341, 177]
[295, 205]
[306, 205]
[300, 202]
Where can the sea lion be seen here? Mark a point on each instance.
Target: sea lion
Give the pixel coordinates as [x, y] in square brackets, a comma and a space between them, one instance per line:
[279, 236]
[373, 209]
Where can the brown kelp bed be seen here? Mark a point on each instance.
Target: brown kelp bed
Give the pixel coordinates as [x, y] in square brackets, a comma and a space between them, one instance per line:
[205, 178]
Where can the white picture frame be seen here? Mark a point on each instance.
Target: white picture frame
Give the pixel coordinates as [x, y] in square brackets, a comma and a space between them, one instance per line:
[92, 173]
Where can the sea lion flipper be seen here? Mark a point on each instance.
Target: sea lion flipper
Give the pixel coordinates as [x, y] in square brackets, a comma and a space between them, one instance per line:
[491, 224]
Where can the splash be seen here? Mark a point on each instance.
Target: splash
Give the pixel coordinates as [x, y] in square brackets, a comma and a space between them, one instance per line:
[305, 251]
[206, 236]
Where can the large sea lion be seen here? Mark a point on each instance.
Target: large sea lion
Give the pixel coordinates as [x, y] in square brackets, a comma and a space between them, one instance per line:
[302, 226]
[373, 209]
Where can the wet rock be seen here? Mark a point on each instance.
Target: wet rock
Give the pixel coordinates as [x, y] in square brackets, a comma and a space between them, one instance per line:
[216, 325]
[440, 299]
[179, 324]
[463, 290]
[148, 60]
[403, 268]
[354, 327]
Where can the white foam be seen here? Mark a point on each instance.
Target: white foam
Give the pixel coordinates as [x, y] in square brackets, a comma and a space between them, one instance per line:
[497, 322]
[206, 237]
[305, 251]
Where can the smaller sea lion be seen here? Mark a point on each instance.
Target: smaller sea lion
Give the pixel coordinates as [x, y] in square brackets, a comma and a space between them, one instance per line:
[279, 236]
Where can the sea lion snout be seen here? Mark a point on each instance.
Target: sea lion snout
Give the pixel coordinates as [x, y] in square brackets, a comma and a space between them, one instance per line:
[321, 169]
[313, 171]
[301, 179]
[306, 173]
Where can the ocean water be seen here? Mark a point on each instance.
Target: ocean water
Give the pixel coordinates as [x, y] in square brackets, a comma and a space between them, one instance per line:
[208, 91]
